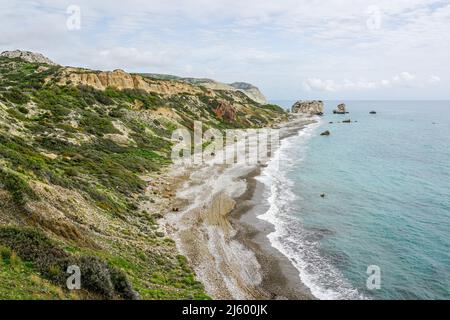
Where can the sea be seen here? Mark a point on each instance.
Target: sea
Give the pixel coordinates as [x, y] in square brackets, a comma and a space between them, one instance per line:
[364, 213]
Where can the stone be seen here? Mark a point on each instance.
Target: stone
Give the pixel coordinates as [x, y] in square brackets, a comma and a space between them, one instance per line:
[311, 107]
[325, 133]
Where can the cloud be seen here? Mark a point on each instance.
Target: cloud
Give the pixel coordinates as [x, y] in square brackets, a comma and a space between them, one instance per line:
[404, 79]
[274, 44]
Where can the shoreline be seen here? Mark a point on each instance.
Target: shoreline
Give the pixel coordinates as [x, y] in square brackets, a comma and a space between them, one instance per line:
[280, 278]
[217, 228]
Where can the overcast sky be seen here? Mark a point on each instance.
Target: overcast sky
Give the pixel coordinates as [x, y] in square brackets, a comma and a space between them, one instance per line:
[347, 49]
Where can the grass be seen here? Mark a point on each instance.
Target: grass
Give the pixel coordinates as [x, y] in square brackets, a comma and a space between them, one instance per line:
[21, 281]
[71, 123]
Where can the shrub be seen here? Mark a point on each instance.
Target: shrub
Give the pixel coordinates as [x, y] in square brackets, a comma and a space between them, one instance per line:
[14, 95]
[16, 186]
[121, 285]
[96, 275]
[5, 253]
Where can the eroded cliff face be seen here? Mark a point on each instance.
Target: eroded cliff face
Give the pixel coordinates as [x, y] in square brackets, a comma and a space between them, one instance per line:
[120, 80]
[84, 164]
[248, 89]
[313, 107]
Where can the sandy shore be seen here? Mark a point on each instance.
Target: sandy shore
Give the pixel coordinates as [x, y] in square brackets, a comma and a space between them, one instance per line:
[215, 226]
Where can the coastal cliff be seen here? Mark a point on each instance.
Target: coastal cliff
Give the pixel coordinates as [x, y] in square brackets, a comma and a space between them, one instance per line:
[85, 176]
[248, 89]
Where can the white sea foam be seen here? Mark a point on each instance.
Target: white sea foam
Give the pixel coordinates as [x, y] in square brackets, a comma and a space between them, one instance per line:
[290, 238]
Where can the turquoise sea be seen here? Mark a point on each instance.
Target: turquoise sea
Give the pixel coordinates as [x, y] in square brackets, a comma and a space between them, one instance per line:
[386, 180]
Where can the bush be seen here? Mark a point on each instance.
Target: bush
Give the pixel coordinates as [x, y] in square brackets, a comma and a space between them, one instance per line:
[5, 253]
[121, 285]
[16, 186]
[96, 275]
[14, 95]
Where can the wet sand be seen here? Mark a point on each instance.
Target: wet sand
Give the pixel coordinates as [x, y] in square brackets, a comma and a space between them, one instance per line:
[280, 278]
[217, 228]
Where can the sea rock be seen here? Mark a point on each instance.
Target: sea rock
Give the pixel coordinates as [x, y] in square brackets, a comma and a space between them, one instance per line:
[341, 109]
[325, 133]
[28, 56]
[346, 121]
[372, 112]
[312, 107]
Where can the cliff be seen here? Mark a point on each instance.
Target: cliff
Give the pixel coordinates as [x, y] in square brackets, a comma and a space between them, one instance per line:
[248, 89]
[83, 176]
[314, 107]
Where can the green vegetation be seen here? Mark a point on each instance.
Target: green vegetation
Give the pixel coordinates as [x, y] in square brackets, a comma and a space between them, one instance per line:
[71, 148]
[52, 262]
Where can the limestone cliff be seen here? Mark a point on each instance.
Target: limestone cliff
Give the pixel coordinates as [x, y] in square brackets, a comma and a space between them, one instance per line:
[120, 79]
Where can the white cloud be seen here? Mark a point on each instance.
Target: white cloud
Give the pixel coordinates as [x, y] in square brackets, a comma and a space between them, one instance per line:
[404, 79]
[274, 44]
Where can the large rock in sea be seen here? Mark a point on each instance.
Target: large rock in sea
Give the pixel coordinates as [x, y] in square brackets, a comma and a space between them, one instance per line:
[312, 107]
[341, 109]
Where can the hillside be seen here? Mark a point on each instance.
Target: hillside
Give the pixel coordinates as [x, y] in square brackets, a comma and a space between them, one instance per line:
[248, 89]
[83, 177]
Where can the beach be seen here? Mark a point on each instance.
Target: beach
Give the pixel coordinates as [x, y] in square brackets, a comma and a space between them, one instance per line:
[216, 226]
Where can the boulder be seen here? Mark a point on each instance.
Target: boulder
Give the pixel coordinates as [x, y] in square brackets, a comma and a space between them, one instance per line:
[325, 133]
[346, 121]
[372, 112]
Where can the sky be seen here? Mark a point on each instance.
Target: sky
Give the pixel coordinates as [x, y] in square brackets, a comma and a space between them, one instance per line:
[290, 49]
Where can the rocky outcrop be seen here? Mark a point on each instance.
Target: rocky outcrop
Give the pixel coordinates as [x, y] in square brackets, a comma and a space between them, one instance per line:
[251, 91]
[28, 56]
[313, 107]
[248, 89]
[341, 109]
[225, 111]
